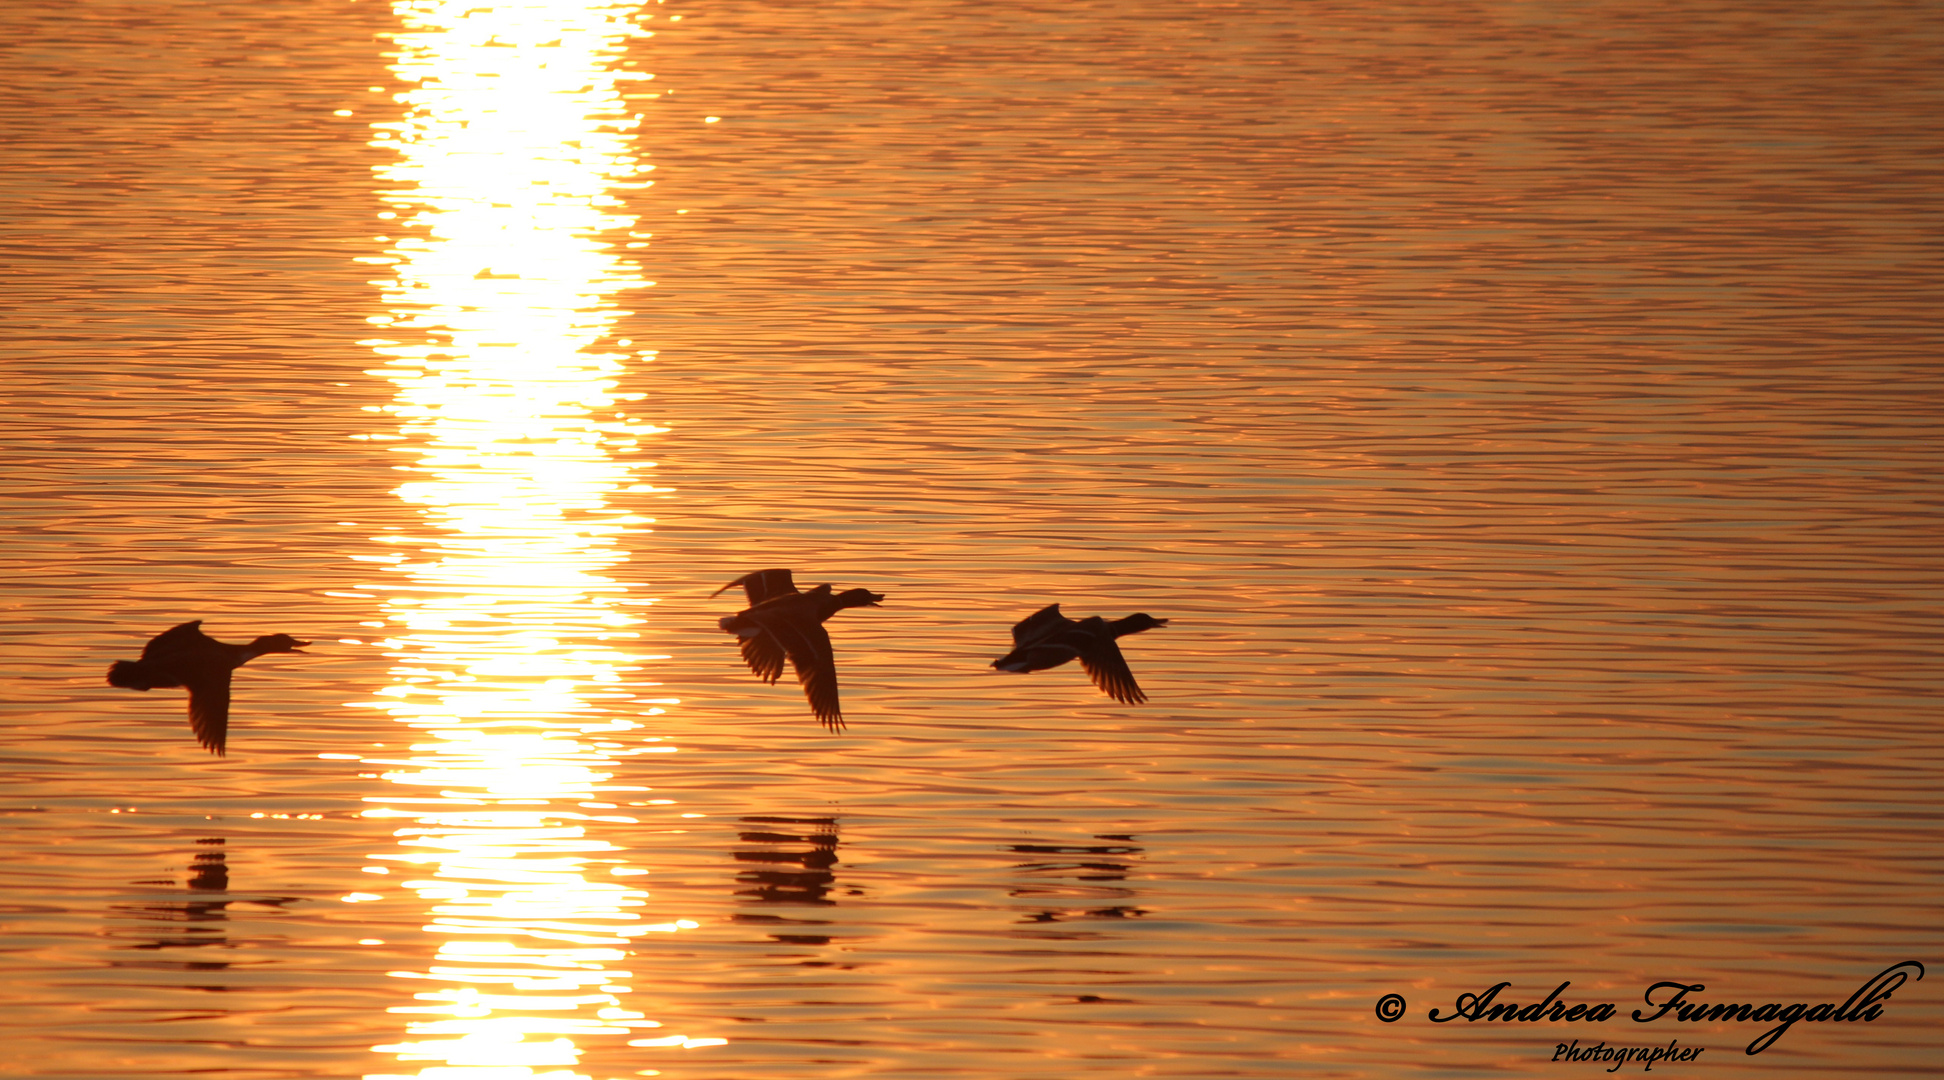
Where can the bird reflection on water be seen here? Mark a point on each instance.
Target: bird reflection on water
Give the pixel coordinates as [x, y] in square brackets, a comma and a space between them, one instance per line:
[1096, 868]
[185, 656]
[198, 922]
[781, 621]
[789, 874]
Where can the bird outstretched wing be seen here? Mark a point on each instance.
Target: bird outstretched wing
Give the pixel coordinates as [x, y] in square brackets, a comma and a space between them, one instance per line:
[761, 585]
[209, 705]
[808, 646]
[1108, 669]
[176, 639]
[1040, 625]
[764, 655]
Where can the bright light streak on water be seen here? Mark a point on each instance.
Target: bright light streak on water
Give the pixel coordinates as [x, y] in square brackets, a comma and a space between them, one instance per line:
[510, 635]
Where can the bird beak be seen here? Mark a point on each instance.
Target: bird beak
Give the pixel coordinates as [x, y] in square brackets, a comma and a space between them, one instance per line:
[294, 649]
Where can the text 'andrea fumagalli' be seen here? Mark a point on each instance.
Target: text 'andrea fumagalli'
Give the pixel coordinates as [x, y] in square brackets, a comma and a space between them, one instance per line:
[1670, 1000]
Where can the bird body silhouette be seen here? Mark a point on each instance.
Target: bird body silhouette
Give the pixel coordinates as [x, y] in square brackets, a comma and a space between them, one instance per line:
[1047, 639]
[185, 656]
[782, 623]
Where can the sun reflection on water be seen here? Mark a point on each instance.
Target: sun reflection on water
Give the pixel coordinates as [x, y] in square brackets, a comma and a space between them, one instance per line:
[509, 633]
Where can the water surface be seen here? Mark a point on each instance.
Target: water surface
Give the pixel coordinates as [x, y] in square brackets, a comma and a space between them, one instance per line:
[1524, 417]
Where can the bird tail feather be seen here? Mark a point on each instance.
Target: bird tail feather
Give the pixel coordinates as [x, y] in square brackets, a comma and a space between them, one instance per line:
[129, 675]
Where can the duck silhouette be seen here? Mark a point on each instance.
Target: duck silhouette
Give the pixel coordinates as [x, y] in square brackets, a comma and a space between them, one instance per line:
[782, 622]
[1047, 639]
[185, 656]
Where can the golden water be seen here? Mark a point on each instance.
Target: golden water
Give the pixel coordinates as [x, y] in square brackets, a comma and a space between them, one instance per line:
[1524, 415]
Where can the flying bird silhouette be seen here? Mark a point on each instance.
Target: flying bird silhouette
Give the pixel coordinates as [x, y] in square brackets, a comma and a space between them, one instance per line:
[1047, 639]
[185, 656]
[781, 623]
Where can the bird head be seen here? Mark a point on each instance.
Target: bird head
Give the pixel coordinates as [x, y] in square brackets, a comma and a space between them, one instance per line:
[270, 643]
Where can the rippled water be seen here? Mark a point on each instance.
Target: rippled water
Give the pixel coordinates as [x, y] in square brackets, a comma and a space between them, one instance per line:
[1524, 414]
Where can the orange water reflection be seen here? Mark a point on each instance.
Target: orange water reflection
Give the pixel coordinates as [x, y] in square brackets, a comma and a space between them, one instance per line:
[509, 632]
